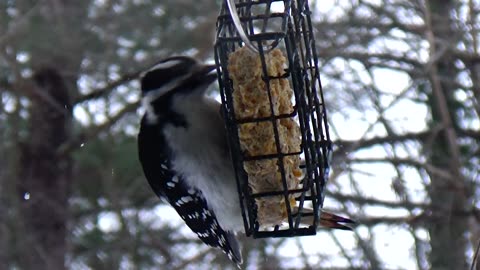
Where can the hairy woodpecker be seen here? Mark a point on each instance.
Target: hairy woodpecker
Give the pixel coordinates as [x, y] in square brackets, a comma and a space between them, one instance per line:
[184, 153]
[183, 150]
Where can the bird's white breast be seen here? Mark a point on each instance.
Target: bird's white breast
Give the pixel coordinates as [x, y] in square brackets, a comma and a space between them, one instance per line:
[201, 157]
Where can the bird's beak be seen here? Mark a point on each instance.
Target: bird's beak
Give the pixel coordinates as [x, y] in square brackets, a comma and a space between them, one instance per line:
[209, 73]
[208, 68]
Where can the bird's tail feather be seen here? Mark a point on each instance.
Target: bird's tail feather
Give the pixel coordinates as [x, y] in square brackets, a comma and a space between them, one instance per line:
[327, 219]
[330, 220]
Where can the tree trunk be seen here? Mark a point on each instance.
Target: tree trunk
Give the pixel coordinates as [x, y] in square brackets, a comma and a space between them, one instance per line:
[44, 176]
[448, 196]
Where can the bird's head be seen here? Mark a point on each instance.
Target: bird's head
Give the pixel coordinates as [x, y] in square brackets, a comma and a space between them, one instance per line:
[175, 76]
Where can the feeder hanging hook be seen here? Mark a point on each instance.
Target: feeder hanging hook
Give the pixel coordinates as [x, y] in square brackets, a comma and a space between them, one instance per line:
[241, 32]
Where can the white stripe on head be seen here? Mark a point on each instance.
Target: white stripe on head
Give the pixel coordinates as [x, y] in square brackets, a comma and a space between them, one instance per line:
[149, 110]
[153, 95]
[166, 64]
[161, 65]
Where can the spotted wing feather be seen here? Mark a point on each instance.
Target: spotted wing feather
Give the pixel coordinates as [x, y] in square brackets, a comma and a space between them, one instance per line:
[186, 200]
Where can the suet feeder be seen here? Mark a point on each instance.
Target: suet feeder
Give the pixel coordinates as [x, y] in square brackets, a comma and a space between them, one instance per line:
[275, 114]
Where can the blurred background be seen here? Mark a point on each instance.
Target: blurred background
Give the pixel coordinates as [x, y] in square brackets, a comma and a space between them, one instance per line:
[402, 86]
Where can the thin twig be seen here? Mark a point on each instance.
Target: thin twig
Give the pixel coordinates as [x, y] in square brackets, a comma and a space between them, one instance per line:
[16, 27]
[95, 130]
[474, 262]
[110, 87]
[194, 259]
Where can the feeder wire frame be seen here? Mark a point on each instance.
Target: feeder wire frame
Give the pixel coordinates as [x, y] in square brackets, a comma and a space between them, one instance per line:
[292, 31]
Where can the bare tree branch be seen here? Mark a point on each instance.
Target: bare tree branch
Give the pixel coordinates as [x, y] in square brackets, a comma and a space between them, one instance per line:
[475, 257]
[110, 87]
[348, 146]
[195, 259]
[93, 132]
[435, 171]
[362, 201]
[19, 25]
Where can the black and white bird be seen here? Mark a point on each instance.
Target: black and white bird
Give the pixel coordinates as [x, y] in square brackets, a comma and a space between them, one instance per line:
[184, 153]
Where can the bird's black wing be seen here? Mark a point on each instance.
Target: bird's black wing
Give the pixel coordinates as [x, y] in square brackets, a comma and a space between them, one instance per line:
[188, 201]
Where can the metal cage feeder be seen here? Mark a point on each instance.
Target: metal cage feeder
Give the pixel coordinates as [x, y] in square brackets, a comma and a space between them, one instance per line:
[261, 26]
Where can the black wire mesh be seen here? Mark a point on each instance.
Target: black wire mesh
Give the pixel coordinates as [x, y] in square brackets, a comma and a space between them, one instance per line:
[283, 24]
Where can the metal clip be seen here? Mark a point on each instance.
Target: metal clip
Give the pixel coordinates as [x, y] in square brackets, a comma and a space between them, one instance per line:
[241, 32]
